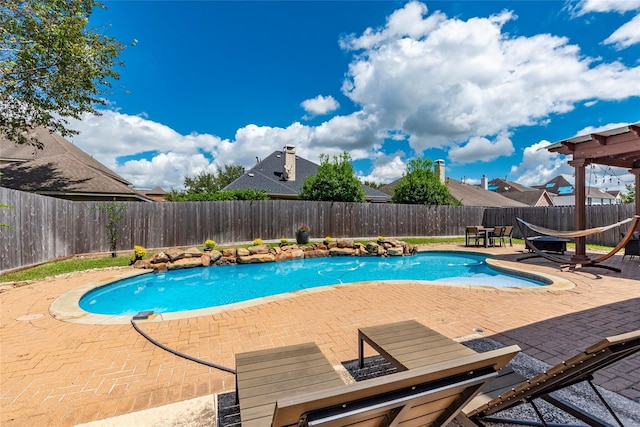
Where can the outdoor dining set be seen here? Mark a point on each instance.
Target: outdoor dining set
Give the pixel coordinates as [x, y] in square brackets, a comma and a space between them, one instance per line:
[488, 236]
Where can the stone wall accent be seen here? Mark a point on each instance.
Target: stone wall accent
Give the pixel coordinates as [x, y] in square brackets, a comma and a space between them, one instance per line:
[174, 258]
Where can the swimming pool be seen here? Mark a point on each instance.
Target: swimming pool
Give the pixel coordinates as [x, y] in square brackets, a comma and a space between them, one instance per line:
[197, 288]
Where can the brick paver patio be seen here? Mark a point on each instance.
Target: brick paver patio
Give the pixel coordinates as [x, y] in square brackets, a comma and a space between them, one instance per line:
[59, 374]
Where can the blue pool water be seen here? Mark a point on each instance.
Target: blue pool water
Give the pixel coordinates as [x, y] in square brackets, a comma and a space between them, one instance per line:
[195, 288]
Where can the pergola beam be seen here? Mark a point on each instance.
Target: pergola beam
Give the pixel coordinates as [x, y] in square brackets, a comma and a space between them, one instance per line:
[615, 147]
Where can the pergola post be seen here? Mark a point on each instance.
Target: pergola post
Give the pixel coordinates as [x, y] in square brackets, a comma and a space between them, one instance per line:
[580, 212]
[636, 173]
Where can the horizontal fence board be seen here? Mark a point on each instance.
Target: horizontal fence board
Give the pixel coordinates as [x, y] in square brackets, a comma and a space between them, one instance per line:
[45, 228]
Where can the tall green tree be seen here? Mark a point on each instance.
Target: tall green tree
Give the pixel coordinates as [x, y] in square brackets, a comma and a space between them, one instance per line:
[335, 181]
[208, 186]
[212, 182]
[630, 195]
[421, 185]
[52, 66]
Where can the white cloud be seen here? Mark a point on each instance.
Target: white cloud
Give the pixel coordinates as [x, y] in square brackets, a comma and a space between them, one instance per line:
[482, 149]
[386, 169]
[540, 165]
[620, 6]
[320, 105]
[627, 35]
[444, 80]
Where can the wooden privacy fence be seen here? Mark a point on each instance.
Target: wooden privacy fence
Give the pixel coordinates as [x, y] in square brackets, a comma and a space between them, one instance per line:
[45, 228]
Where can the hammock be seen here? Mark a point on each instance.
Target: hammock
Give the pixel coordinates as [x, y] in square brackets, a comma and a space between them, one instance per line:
[588, 263]
[572, 234]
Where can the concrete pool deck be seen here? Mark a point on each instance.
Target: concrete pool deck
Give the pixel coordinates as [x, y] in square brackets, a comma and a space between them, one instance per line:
[57, 373]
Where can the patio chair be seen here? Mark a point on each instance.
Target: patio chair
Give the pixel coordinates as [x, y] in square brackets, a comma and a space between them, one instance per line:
[297, 386]
[472, 232]
[507, 234]
[497, 234]
[511, 389]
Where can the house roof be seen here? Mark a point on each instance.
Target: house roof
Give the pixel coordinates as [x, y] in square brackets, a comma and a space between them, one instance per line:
[468, 195]
[60, 169]
[558, 185]
[472, 195]
[561, 187]
[503, 186]
[531, 197]
[267, 175]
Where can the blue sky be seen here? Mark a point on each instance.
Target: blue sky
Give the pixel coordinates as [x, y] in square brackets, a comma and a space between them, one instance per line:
[482, 85]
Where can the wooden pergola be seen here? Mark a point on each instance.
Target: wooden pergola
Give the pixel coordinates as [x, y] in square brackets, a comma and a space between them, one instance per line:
[618, 147]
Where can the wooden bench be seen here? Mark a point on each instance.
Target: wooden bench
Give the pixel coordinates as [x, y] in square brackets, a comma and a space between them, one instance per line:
[264, 376]
[292, 386]
[409, 344]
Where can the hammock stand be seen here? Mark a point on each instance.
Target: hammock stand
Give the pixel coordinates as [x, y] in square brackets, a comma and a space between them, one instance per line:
[566, 263]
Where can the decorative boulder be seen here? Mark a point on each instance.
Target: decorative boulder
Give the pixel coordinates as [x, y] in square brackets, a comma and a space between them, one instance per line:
[257, 258]
[395, 251]
[175, 254]
[229, 253]
[185, 263]
[342, 251]
[345, 243]
[192, 252]
[258, 249]
[242, 252]
[160, 257]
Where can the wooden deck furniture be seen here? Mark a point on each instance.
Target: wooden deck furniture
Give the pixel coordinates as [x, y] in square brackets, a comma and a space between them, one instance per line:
[292, 386]
[409, 345]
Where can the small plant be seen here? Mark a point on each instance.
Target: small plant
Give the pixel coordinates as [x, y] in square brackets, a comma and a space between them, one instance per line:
[328, 239]
[209, 244]
[381, 238]
[304, 228]
[257, 241]
[139, 251]
[284, 240]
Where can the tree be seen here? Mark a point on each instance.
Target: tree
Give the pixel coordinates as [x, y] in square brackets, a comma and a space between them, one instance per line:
[372, 184]
[335, 181]
[115, 213]
[630, 195]
[52, 67]
[207, 186]
[421, 185]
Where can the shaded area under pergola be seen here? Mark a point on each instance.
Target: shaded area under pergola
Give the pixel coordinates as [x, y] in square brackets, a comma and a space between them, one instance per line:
[619, 147]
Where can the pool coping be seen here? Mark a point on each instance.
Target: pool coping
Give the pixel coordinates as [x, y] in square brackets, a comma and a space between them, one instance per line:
[66, 307]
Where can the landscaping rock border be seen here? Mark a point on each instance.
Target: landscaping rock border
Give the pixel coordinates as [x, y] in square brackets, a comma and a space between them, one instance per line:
[175, 258]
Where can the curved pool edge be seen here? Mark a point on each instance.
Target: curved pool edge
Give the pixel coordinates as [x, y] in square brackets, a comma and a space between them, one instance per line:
[66, 307]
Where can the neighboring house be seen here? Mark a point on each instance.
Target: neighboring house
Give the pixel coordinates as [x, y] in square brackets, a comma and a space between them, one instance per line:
[520, 193]
[466, 194]
[617, 195]
[61, 170]
[157, 194]
[564, 194]
[282, 174]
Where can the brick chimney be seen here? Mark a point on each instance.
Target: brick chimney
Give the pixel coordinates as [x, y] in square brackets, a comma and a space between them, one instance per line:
[289, 163]
[440, 171]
